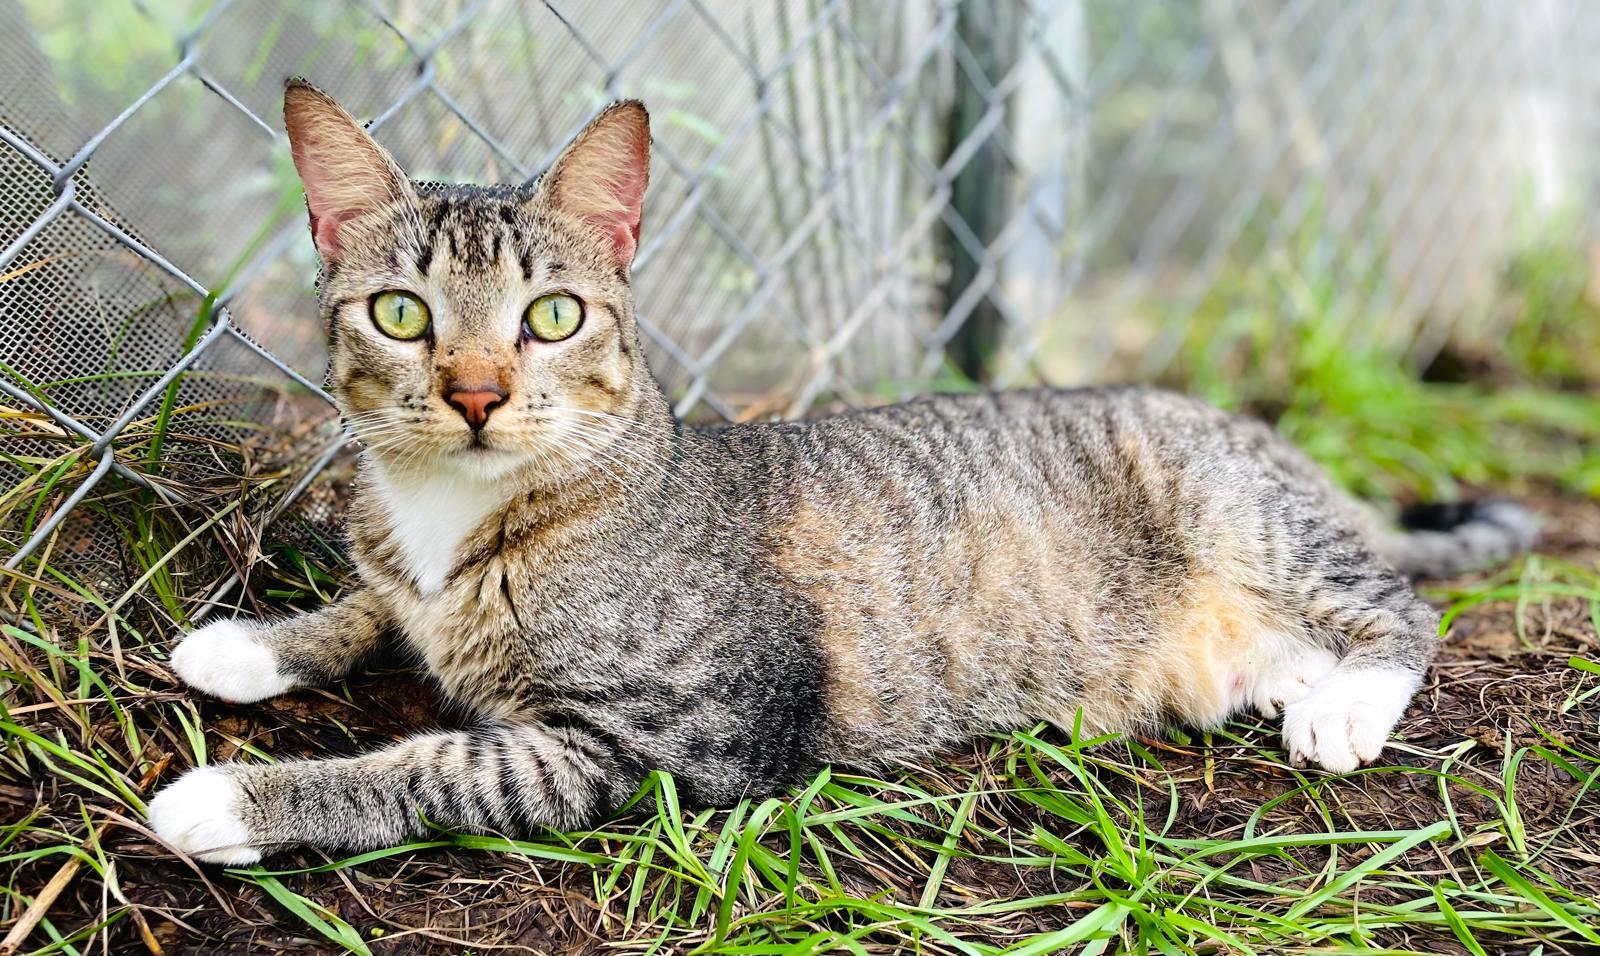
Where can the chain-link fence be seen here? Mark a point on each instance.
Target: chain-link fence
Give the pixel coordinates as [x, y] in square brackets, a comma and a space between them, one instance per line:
[850, 200]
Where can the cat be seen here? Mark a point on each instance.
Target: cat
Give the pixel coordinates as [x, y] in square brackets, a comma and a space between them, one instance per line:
[611, 591]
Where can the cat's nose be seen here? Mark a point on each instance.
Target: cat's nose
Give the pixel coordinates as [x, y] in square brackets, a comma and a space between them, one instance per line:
[475, 402]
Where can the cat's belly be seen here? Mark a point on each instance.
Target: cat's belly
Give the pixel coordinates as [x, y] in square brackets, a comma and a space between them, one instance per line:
[897, 692]
[927, 639]
[1008, 618]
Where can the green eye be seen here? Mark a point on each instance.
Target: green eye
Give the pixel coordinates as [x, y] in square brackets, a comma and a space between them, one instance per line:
[399, 315]
[552, 318]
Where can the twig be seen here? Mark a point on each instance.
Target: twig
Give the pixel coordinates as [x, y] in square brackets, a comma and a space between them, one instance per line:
[55, 705]
[52, 890]
[149, 938]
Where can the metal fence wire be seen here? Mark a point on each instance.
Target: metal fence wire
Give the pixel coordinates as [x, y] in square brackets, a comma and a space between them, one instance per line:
[851, 200]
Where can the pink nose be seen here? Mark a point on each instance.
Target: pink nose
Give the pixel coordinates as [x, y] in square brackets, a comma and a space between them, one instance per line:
[475, 402]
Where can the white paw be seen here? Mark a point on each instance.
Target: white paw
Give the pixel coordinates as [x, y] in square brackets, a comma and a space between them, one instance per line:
[225, 660]
[1290, 679]
[1347, 718]
[198, 814]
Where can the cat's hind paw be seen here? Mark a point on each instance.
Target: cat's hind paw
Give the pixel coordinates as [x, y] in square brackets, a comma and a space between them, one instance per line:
[198, 814]
[1347, 718]
[1290, 679]
[225, 660]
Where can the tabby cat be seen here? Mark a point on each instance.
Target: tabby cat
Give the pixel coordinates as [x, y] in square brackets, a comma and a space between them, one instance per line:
[611, 591]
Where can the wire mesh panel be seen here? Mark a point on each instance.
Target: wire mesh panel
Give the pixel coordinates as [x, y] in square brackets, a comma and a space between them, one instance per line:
[850, 200]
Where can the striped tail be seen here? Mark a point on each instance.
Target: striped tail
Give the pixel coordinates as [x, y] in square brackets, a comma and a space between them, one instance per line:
[1444, 540]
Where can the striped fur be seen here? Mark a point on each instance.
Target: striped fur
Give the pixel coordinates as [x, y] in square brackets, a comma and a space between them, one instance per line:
[740, 606]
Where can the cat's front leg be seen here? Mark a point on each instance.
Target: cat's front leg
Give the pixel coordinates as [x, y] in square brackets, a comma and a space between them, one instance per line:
[509, 779]
[244, 661]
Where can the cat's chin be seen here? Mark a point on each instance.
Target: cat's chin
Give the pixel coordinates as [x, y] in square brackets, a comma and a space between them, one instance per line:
[478, 463]
[484, 462]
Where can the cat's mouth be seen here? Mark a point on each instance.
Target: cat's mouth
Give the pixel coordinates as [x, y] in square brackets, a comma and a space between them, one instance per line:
[479, 445]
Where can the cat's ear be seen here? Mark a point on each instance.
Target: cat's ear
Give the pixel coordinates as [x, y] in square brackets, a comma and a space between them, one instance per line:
[345, 172]
[602, 176]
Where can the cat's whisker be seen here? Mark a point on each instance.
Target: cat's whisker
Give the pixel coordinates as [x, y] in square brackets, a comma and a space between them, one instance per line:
[627, 456]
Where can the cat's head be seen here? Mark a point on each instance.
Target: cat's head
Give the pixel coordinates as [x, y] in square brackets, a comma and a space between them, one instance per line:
[479, 328]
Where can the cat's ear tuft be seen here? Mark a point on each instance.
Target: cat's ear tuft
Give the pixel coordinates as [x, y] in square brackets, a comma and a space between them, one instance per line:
[602, 176]
[345, 172]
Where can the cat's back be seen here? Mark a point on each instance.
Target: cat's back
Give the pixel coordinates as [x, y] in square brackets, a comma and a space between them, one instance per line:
[995, 444]
[1127, 476]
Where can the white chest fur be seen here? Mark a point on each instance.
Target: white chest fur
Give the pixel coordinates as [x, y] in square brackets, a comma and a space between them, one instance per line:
[431, 515]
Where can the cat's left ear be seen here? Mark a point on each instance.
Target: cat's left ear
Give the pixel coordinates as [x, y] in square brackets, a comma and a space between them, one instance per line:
[345, 172]
[601, 177]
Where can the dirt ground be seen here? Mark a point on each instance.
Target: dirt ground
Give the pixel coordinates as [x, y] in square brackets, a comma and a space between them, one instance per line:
[1491, 685]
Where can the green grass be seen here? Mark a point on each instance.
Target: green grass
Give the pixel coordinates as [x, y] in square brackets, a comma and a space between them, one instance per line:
[1556, 337]
[1272, 342]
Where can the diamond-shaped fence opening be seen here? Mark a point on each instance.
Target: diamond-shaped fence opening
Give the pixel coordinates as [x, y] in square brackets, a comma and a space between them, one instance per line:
[850, 200]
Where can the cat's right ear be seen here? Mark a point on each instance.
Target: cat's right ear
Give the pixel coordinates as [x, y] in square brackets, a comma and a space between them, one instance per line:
[345, 172]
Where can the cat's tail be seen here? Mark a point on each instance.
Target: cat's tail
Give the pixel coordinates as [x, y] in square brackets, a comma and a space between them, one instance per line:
[1443, 540]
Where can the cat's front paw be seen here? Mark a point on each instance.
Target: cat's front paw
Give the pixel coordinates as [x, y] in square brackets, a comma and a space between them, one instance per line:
[198, 814]
[1347, 718]
[225, 660]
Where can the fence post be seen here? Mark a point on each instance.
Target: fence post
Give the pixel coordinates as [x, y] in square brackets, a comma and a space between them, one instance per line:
[981, 190]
